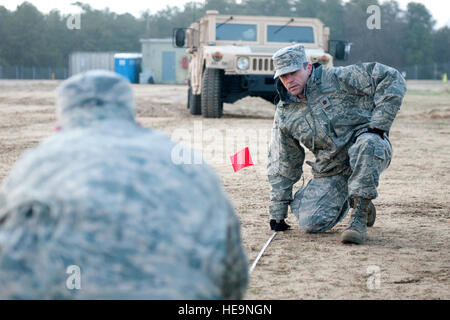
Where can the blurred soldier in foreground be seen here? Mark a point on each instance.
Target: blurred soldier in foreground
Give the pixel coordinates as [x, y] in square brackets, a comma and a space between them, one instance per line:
[103, 195]
[343, 116]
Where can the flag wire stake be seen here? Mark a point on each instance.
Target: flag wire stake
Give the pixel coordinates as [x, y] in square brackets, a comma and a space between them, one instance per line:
[261, 252]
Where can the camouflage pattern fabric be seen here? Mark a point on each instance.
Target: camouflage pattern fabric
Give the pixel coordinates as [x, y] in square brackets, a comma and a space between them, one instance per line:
[369, 156]
[103, 194]
[340, 103]
[289, 59]
[324, 201]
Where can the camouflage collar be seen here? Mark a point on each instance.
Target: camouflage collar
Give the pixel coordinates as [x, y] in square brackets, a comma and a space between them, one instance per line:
[314, 81]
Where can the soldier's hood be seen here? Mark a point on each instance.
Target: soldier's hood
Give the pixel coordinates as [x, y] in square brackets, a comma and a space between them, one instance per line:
[285, 97]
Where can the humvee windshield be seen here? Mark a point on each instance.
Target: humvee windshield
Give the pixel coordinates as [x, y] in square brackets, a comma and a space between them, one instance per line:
[237, 32]
[290, 34]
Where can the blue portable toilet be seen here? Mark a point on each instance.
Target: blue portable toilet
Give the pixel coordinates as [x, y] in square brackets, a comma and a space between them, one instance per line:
[128, 65]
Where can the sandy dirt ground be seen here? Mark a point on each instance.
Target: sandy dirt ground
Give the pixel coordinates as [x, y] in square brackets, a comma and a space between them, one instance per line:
[407, 253]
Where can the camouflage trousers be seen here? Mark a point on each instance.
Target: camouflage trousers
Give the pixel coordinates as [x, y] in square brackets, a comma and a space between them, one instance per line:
[324, 201]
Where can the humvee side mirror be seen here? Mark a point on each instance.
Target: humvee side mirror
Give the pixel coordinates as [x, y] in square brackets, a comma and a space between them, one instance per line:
[179, 37]
[339, 49]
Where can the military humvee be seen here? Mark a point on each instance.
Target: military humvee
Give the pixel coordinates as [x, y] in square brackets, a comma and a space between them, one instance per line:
[231, 56]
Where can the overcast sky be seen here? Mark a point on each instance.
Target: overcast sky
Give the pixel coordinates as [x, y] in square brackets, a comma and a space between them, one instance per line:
[439, 8]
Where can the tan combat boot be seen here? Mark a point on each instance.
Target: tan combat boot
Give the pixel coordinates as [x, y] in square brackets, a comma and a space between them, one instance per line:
[371, 215]
[356, 232]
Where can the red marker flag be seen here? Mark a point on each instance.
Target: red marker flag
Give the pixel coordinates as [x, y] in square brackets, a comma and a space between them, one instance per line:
[241, 159]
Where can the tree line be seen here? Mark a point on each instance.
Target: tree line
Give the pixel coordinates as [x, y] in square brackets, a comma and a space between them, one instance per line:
[406, 37]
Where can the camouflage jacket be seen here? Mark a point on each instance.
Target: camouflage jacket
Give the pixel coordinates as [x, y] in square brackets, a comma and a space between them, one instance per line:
[340, 101]
[103, 194]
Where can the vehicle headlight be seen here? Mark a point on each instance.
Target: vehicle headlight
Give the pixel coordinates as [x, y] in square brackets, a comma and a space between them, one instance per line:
[242, 63]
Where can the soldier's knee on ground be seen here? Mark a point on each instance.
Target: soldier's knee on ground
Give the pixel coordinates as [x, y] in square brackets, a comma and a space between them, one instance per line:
[309, 227]
[316, 223]
[321, 204]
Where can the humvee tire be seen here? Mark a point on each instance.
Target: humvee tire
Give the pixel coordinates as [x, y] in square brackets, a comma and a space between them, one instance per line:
[211, 99]
[189, 98]
[194, 103]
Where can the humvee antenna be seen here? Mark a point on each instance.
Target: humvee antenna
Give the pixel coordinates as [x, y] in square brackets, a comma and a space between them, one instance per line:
[282, 27]
[226, 21]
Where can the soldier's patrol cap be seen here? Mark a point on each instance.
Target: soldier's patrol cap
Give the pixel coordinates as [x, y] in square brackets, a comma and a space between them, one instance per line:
[99, 85]
[95, 94]
[289, 59]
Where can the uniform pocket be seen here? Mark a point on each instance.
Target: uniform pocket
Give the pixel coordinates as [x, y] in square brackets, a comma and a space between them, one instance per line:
[273, 162]
[383, 151]
[379, 152]
[331, 112]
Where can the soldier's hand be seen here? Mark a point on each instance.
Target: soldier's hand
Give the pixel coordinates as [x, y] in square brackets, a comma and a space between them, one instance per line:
[279, 226]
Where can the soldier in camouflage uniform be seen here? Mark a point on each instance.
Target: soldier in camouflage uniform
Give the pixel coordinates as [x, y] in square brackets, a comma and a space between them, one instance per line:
[343, 116]
[104, 194]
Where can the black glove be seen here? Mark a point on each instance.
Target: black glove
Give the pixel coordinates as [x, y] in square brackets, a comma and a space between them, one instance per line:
[279, 226]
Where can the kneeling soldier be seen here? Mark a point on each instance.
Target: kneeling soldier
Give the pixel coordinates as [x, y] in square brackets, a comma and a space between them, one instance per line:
[343, 116]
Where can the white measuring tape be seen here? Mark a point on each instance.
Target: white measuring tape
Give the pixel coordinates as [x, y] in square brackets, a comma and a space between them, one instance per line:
[261, 253]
